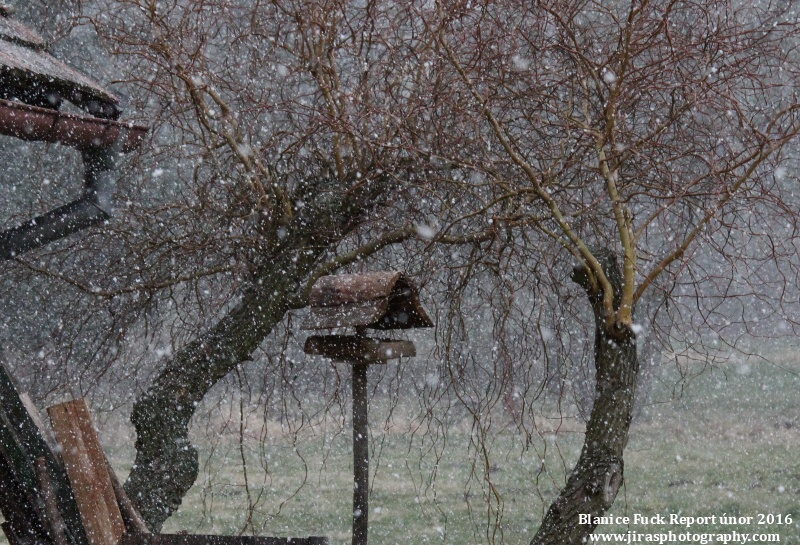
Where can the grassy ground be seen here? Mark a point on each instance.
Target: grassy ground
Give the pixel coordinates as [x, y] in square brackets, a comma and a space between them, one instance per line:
[727, 444]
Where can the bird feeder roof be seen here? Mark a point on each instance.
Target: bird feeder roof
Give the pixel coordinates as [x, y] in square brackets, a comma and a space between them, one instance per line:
[378, 300]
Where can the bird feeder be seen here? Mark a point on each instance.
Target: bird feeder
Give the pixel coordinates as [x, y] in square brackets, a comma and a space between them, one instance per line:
[380, 300]
[34, 87]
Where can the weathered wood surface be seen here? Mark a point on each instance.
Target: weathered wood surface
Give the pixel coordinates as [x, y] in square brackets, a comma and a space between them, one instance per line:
[88, 474]
[36, 417]
[13, 31]
[22, 523]
[28, 122]
[14, 538]
[188, 539]
[358, 349]
[21, 444]
[379, 300]
[351, 315]
[342, 289]
[23, 57]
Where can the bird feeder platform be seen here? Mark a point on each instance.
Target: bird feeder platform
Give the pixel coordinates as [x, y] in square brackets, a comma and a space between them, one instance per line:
[358, 349]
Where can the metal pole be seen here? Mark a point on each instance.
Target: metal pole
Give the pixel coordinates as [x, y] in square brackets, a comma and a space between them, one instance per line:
[360, 455]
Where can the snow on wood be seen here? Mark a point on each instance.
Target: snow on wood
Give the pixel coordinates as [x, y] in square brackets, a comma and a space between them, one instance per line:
[378, 300]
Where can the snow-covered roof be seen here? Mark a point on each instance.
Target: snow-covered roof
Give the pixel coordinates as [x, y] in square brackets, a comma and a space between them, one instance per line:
[25, 63]
[378, 300]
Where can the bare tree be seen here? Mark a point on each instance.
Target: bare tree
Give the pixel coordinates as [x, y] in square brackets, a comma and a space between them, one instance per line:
[296, 144]
[633, 134]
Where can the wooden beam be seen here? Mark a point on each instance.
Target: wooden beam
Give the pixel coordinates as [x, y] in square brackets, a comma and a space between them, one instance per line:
[88, 473]
[19, 469]
[53, 521]
[134, 523]
[22, 522]
[360, 456]
[36, 417]
[15, 538]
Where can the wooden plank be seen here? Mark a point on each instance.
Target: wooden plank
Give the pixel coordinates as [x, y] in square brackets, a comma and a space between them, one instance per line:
[13, 536]
[188, 539]
[134, 522]
[20, 445]
[36, 417]
[87, 471]
[19, 436]
[100, 462]
[21, 517]
[22, 505]
[17, 462]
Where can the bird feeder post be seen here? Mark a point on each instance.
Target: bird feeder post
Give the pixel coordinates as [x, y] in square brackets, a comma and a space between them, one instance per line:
[360, 449]
[385, 300]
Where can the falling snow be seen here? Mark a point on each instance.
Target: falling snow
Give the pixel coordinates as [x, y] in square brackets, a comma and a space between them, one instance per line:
[541, 177]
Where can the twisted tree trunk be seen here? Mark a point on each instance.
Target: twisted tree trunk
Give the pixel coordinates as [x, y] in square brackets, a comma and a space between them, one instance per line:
[166, 464]
[594, 482]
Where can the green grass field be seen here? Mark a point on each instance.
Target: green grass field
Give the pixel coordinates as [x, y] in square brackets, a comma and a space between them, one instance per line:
[728, 444]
